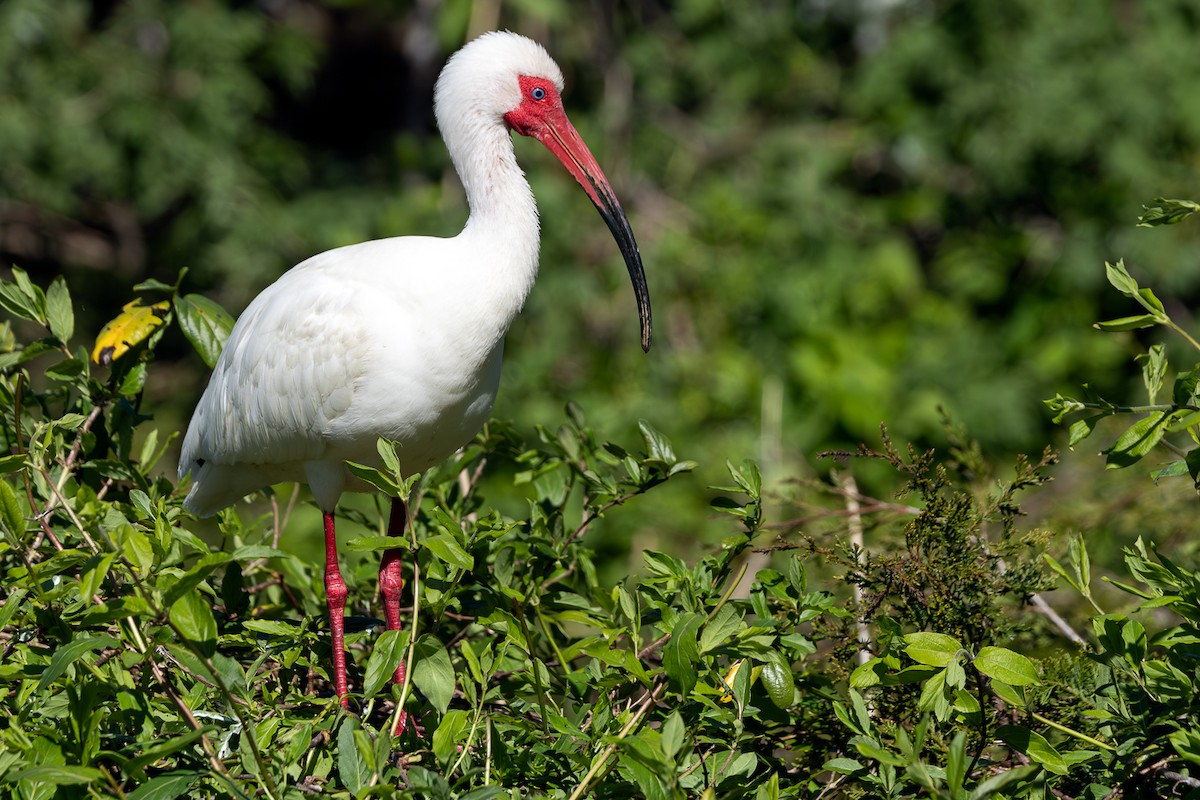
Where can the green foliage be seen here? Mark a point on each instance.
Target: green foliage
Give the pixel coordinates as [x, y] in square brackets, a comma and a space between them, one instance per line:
[140, 661]
[1154, 419]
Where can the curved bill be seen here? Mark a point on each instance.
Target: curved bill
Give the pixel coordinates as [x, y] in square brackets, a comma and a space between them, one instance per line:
[560, 137]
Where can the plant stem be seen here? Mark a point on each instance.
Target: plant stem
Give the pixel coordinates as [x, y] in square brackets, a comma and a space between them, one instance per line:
[1070, 732]
[1171, 324]
[398, 714]
[600, 764]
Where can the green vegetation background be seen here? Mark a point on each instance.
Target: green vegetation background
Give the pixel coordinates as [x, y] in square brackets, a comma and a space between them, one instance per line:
[850, 213]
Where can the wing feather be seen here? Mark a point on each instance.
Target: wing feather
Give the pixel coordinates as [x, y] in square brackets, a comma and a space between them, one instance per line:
[289, 369]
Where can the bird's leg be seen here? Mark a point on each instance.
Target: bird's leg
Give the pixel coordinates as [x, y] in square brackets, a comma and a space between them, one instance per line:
[335, 598]
[391, 583]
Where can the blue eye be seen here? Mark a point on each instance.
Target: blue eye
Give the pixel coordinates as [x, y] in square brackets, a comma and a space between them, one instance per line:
[538, 93]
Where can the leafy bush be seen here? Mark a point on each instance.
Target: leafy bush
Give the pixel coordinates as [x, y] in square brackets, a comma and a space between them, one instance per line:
[148, 656]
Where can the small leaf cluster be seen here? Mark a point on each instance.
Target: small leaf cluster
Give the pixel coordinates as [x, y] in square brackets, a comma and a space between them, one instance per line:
[1144, 707]
[957, 561]
[1161, 422]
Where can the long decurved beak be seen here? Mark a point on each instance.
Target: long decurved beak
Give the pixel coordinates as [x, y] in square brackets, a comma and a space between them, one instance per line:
[560, 137]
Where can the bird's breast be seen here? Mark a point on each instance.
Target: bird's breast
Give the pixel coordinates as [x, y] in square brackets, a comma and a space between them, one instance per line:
[428, 379]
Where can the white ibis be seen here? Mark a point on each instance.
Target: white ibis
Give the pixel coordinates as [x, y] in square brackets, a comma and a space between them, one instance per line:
[400, 338]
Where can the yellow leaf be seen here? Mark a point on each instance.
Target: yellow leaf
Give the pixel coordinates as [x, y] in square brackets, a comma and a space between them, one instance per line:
[133, 325]
[726, 697]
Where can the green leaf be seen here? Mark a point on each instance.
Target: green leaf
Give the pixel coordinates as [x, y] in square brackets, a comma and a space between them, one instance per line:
[1035, 746]
[165, 787]
[1183, 389]
[1192, 459]
[12, 463]
[1127, 323]
[933, 696]
[1137, 440]
[67, 654]
[377, 478]
[251, 551]
[1082, 428]
[57, 775]
[1186, 744]
[1120, 278]
[353, 771]
[658, 445]
[270, 627]
[747, 477]
[1146, 297]
[92, 577]
[1007, 666]
[11, 604]
[867, 674]
[371, 544]
[10, 511]
[664, 565]
[956, 764]
[60, 317]
[681, 654]
[450, 731]
[1174, 469]
[447, 549]
[193, 616]
[386, 655]
[485, 793]
[22, 299]
[1154, 370]
[843, 714]
[777, 679]
[672, 734]
[1166, 682]
[934, 649]
[718, 631]
[188, 582]
[1167, 212]
[844, 766]
[861, 713]
[995, 785]
[433, 673]
[205, 324]
[387, 455]
[156, 751]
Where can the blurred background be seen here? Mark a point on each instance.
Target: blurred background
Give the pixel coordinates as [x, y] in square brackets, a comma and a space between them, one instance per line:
[852, 212]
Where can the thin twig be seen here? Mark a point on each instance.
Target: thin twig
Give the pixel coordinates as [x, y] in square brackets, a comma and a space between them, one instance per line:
[849, 487]
[1044, 608]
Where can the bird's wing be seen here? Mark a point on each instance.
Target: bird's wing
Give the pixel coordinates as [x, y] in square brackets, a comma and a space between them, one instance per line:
[289, 369]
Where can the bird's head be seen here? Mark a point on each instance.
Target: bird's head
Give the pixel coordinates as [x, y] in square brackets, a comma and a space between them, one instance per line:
[504, 78]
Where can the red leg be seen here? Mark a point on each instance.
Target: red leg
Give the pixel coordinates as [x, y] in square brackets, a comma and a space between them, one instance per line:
[391, 583]
[335, 598]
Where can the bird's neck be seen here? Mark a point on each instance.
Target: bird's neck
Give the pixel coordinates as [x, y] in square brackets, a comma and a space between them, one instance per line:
[503, 218]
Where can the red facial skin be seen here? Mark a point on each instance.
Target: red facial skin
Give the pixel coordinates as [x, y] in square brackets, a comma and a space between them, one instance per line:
[544, 119]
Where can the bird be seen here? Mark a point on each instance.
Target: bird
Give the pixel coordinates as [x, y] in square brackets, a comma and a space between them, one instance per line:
[400, 338]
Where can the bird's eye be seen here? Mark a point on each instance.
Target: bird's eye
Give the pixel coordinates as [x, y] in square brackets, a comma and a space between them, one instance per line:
[538, 93]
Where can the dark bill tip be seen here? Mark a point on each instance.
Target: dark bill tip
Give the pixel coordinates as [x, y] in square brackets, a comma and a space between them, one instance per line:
[618, 224]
